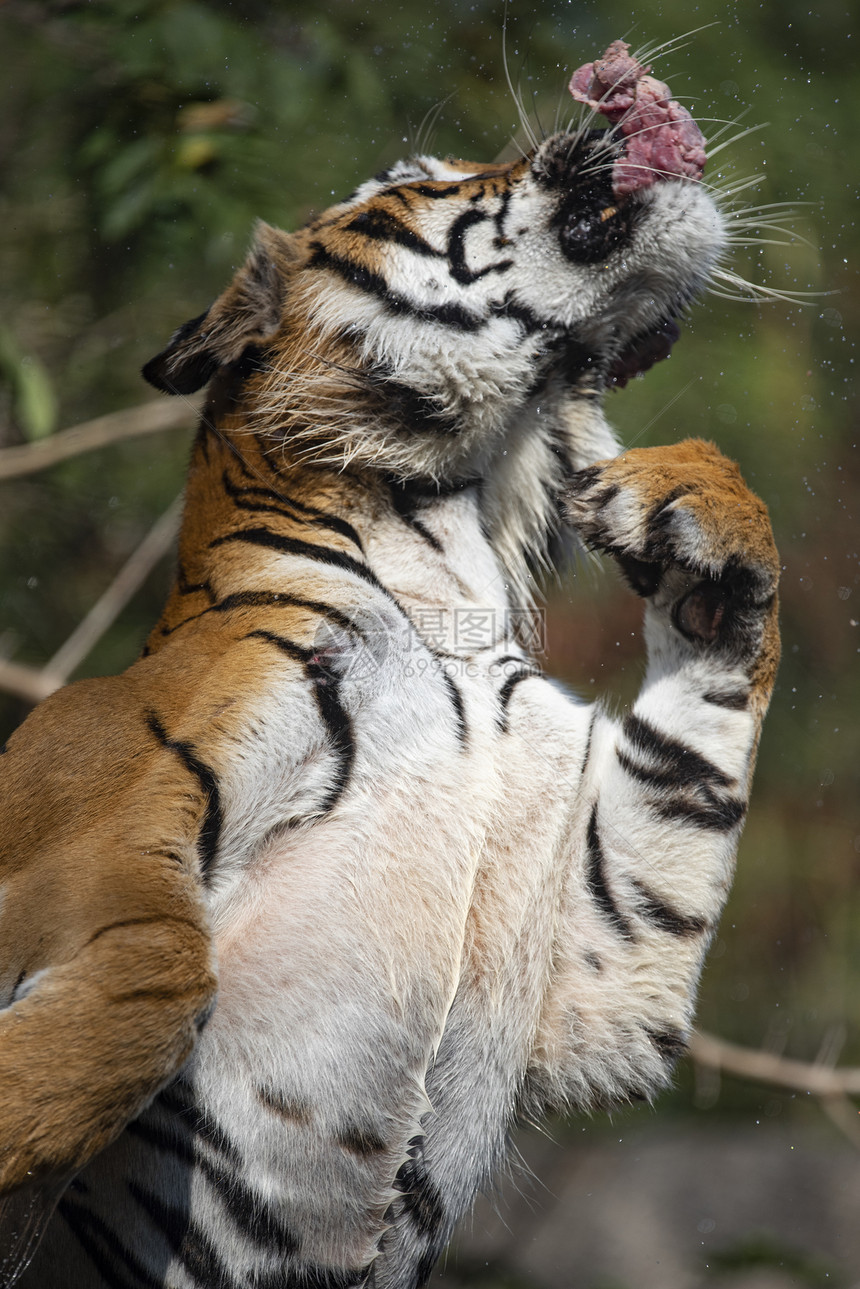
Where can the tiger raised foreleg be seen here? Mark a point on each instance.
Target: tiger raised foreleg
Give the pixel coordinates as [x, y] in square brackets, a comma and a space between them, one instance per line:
[623, 899]
[664, 791]
[106, 966]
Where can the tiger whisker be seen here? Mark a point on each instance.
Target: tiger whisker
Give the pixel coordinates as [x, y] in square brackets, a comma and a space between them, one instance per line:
[428, 124]
[777, 207]
[725, 124]
[761, 292]
[768, 226]
[661, 49]
[727, 191]
[735, 138]
[524, 121]
[765, 241]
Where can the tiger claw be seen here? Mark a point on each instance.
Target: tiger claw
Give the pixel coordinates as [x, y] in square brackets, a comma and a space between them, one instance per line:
[685, 530]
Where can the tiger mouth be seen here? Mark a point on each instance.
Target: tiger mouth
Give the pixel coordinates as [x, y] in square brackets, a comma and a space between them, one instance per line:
[644, 350]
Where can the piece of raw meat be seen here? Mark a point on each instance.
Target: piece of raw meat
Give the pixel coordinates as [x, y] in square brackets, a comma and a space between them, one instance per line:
[661, 138]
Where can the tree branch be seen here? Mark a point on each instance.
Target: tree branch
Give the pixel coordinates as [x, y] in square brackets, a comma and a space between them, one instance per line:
[764, 1067]
[147, 418]
[32, 683]
[109, 605]
[27, 682]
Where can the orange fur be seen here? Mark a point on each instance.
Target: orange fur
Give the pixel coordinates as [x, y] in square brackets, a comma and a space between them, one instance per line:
[98, 867]
[100, 824]
[695, 479]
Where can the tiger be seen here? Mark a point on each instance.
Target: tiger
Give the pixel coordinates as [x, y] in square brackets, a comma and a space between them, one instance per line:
[303, 911]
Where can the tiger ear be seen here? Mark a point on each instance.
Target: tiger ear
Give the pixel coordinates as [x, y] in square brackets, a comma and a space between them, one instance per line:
[248, 313]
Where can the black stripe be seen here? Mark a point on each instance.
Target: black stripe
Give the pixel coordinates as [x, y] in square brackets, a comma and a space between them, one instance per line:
[505, 658]
[530, 321]
[422, 1203]
[201, 439]
[607, 494]
[420, 1198]
[501, 214]
[459, 709]
[712, 812]
[666, 917]
[424, 1266]
[688, 768]
[253, 359]
[666, 781]
[429, 490]
[381, 225]
[339, 726]
[334, 715]
[271, 600]
[403, 500]
[240, 461]
[268, 501]
[147, 921]
[252, 1215]
[360, 1140]
[210, 831]
[297, 652]
[460, 272]
[281, 504]
[417, 526]
[196, 1251]
[198, 1122]
[736, 700]
[293, 546]
[164, 1137]
[506, 692]
[109, 1256]
[658, 548]
[717, 816]
[184, 587]
[250, 1212]
[449, 315]
[669, 1042]
[256, 1221]
[588, 737]
[290, 1109]
[315, 512]
[595, 880]
[412, 409]
[446, 189]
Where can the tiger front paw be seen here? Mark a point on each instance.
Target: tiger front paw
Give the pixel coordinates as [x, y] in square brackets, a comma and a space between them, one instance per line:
[686, 532]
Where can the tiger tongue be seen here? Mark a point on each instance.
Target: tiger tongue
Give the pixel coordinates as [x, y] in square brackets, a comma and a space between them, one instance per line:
[662, 139]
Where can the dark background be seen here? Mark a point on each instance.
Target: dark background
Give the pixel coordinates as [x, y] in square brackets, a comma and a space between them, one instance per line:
[139, 143]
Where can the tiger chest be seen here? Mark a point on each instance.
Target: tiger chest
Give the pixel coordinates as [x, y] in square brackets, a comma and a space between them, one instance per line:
[340, 861]
[341, 933]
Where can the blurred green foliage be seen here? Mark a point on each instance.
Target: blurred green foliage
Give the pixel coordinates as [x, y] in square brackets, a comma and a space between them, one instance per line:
[143, 140]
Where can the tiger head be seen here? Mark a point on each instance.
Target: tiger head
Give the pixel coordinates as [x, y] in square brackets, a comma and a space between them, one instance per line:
[451, 321]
